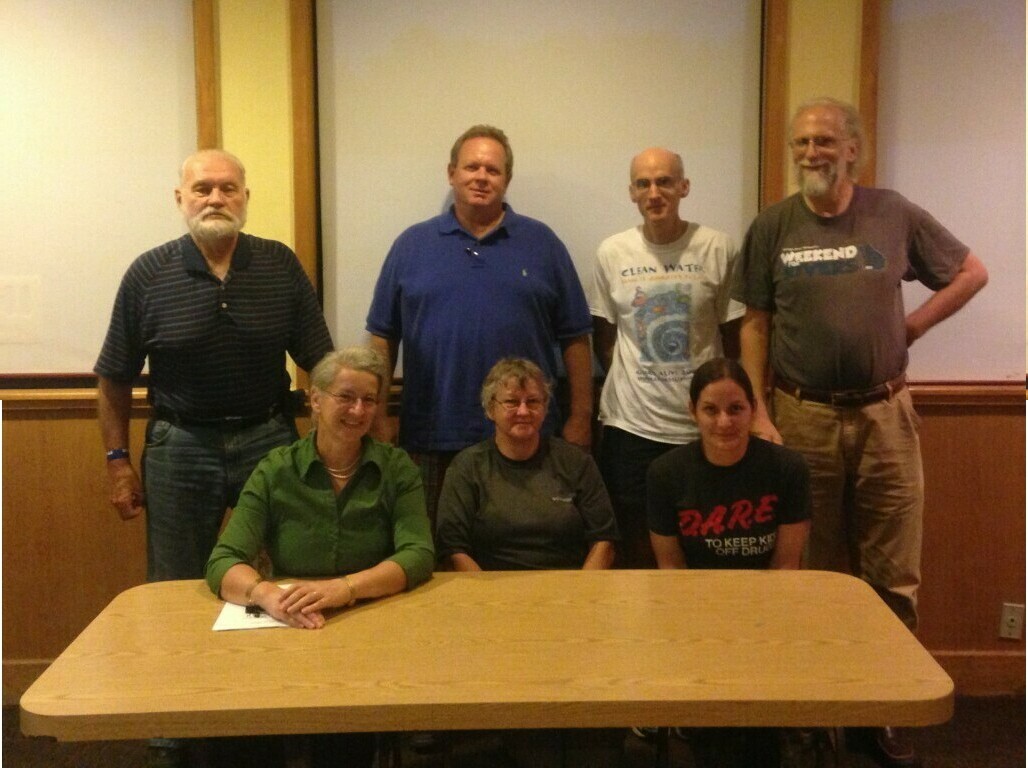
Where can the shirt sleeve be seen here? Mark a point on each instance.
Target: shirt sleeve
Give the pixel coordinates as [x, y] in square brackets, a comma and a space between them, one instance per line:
[310, 339]
[459, 499]
[752, 282]
[385, 317]
[935, 254]
[243, 536]
[729, 309]
[412, 531]
[593, 502]
[571, 313]
[601, 301]
[122, 355]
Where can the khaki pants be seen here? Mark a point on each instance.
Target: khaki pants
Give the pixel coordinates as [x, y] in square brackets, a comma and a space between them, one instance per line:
[868, 491]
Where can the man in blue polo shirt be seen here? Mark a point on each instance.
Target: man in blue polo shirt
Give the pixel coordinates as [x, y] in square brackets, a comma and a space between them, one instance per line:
[464, 289]
[215, 312]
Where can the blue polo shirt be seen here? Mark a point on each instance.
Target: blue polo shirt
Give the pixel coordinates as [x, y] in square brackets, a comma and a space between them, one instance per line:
[459, 304]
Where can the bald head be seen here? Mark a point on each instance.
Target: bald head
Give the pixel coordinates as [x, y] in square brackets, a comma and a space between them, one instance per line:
[658, 186]
[657, 156]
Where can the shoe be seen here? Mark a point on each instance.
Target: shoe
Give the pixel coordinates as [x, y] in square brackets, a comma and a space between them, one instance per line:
[645, 733]
[889, 747]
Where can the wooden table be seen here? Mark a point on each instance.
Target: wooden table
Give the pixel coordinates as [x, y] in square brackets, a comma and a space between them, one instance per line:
[501, 650]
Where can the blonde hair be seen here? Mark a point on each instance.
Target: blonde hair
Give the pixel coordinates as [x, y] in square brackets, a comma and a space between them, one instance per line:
[363, 359]
[519, 369]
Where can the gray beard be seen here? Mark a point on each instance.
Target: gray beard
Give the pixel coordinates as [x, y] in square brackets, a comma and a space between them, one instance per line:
[213, 230]
[816, 183]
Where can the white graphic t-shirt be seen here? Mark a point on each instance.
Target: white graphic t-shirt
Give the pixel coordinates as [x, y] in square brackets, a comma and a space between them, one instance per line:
[667, 302]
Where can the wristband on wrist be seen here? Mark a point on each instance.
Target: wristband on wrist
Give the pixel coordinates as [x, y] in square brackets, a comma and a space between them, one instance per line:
[117, 453]
[353, 592]
[251, 588]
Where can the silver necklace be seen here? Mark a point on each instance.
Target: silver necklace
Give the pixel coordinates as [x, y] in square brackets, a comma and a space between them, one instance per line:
[344, 473]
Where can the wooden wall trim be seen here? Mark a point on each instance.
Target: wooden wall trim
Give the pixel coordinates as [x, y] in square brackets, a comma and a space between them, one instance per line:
[995, 673]
[65, 401]
[774, 82]
[306, 202]
[970, 394]
[18, 675]
[208, 81]
[870, 44]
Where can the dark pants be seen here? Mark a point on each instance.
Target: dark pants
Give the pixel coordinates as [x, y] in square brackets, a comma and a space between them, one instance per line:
[433, 466]
[327, 750]
[735, 747]
[624, 459]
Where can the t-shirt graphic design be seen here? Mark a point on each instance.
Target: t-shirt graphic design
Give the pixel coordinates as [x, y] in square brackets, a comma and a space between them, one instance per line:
[811, 260]
[735, 530]
[661, 324]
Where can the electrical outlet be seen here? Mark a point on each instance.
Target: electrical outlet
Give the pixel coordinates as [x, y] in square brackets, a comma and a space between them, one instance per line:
[1011, 621]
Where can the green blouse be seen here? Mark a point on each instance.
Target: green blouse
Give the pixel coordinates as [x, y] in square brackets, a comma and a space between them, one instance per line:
[289, 507]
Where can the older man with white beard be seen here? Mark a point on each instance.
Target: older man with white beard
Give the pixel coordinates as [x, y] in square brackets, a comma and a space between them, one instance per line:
[820, 274]
[215, 312]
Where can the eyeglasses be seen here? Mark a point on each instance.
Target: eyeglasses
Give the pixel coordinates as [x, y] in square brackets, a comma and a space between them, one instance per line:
[665, 183]
[819, 142]
[349, 399]
[533, 404]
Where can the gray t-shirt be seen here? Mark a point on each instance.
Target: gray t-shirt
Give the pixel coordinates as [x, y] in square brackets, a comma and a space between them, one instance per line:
[834, 284]
[543, 513]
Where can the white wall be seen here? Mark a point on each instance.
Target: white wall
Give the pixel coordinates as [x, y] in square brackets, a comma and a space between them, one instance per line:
[951, 137]
[97, 110]
[578, 88]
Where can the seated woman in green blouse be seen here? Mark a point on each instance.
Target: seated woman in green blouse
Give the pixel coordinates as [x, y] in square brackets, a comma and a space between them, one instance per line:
[340, 514]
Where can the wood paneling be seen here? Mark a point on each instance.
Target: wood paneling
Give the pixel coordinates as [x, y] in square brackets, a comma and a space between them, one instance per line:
[208, 82]
[66, 553]
[974, 532]
[306, 206]
[870, 37]
[774, 91]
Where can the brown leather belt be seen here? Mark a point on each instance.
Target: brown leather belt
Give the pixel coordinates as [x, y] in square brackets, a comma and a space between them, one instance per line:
[846, 397]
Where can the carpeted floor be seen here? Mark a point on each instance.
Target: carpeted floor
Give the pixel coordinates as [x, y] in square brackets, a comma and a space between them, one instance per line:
[984, 733]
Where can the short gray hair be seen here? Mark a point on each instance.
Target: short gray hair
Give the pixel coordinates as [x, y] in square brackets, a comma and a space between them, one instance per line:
[363, 359]
[517, 368]
[851, 121]
[200, 154]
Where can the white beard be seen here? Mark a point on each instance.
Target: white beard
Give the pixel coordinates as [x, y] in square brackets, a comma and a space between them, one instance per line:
[211, 230]
[816, 182]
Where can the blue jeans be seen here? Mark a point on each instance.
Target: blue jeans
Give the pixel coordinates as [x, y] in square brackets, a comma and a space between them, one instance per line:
[191, 475]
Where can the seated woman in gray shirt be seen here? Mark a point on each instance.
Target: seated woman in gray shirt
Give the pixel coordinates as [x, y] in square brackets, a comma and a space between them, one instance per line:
[522, 501]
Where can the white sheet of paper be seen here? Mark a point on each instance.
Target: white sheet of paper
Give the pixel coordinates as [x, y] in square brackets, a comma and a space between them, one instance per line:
[234, 616]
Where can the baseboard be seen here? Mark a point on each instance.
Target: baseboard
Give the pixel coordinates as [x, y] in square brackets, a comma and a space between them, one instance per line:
[984, 673]
[19, 674]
